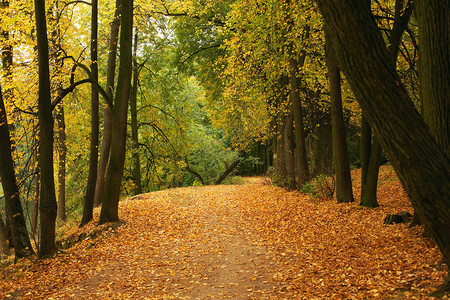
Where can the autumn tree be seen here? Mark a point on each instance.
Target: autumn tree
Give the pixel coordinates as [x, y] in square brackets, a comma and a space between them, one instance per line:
[110, 203]
[94, 140]
[14, 212]
[433, 18]
[371, 151]
[344, 191]
[421, 163]
[48, 206]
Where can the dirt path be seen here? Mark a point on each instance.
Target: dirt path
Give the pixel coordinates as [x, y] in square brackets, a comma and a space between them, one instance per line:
[188, 243]
[240, 242]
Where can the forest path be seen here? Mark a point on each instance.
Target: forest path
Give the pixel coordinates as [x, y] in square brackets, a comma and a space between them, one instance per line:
[188, 243]
[251, 241]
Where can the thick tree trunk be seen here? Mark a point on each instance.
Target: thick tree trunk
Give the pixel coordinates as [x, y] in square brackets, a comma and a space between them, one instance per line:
[372, 155]
[62, 153]
[93, 157]
[433, 18]
[107, 112]
[323, 150]
[110, 205]
[344, 191]
[48, 207]
[136, 163]
[421, 164]
[13, 206]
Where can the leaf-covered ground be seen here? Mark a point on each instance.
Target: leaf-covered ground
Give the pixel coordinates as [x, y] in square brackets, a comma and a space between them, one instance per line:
[250, 241]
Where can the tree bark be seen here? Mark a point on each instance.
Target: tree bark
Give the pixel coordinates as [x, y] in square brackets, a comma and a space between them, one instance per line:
[301, 161]
[62, 153]
[370, 162]
[4, 247]
[136, 163]
[344, 191]
[48, 206]
[373, 154]
[280, 151]
[323, 150]
[37, 183]
[433, 18]
[93, 157]
[14, 212]
[107, 112]
[289, 149]
[421, 164]
[110, 205]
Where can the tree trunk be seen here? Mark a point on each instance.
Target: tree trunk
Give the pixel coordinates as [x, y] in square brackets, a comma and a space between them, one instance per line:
[289, 149]
[230, 168]
[13, 207]
[48, 207]
[93, 158]
[344, 191]
[4, 247]
[110, 205]
[323, 150]
[372, 155]
[433, 18]
[301, 161]
[370, 161]
[280, 152]
[136, 163]
[37, 183]
[62, 153]
[421, 164]
[107, 113]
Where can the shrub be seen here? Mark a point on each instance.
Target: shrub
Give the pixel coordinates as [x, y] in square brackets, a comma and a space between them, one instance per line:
[320, 188]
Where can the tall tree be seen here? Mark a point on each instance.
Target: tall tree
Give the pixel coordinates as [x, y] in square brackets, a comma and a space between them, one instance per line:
[110, 204]
[107, 110]
[371, 151]
[48, 206]
[14, 211]
[301, 162]
[433, 18]
[136, 163]
[93, 157]
[62, 154]
[421, 163]
[344, 191]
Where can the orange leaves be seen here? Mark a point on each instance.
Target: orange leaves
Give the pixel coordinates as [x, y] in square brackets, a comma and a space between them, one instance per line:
[249, 241]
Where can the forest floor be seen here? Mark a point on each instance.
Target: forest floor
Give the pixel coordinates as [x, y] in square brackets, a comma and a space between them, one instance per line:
[252, 241]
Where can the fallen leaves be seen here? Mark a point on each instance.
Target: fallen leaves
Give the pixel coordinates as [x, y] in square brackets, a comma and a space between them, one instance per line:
[249, 242]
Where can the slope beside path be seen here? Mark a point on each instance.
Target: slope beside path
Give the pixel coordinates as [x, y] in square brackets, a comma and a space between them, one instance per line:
[239, 242]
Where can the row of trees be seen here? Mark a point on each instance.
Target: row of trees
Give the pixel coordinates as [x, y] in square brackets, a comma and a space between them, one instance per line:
[267, 72]
[166, 114]
[278, 78]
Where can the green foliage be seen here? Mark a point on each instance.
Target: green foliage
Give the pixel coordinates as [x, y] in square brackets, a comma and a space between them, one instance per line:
[277, 178]
[320, 188]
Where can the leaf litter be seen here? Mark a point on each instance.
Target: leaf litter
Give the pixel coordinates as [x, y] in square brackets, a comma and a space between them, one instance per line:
[253, 241]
